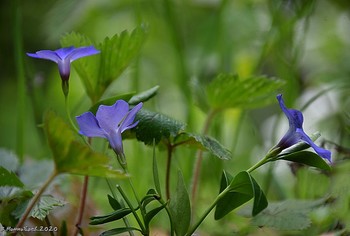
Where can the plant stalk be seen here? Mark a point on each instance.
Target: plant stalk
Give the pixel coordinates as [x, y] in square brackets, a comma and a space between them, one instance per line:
[35, 199]
[81, 205]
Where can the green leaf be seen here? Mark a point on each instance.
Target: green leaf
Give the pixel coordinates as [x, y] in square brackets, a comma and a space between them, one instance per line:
[205, 143]
[229, 91]
[180, 207]
[307, 158]
[116, 54]
[87, 67]
[154, 127]
[260, 201]
[287, 215]
[151, 214]
[8, 178]
[240, 193]
[119, 231]
[99, 71]
[13, 203]
[117, 215]
[110, 101]
[114, 203]
[144, 96]
[71, 156]
[43, 207]
[150, 196]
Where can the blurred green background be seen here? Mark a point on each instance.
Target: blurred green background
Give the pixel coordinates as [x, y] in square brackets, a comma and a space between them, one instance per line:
[189, 42]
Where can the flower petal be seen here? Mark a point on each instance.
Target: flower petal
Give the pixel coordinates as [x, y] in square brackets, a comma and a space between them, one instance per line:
[295, 117]
[109, 117]
[45, 54]
[89, 126]
[82, 52]
[63, 53]
[127, 123]
[320, 151]
[115, 140]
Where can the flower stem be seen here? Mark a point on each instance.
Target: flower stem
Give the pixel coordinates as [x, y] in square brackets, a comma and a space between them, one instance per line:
[35, 199]
[82, 205]
[66, 103]
[125, 219]
[132, 209]
[269, 157]
[206, 213]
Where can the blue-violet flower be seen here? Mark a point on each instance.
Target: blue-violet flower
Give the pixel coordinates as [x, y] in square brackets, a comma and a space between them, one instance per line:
[110, 122]
[296, 133]
[64, 56]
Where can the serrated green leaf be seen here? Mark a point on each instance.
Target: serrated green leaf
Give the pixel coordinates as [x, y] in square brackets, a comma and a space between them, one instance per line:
[154, 127]
[116, 54]
[71, 156]
[307, 158]
[114, 203]
[117, 215]
[8, 178]
[13, 203]
[229, 91]
[180, 207]
[241, 192]
[119, 231]
[43, 207]
[205, 143]
[151, 214]
[260, 201]
[110, 101]
[99, 71]
[287, 215]
[144, 96]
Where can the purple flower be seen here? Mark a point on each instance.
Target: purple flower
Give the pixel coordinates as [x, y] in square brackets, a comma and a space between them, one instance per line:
[64, 56]
[296, 133]
[110, 122]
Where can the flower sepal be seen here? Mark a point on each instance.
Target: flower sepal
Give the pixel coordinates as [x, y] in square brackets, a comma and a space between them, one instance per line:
[307, 158]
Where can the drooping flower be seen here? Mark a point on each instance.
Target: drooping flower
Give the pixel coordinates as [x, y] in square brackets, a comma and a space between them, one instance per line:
[64, 56]
[110, 122]
[296, 133]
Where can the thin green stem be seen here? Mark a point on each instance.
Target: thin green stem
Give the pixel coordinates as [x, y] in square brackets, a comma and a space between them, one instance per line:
[269, 157]
[66, 103]
[125, 219]
[206, 213]
[35, 199]
[132, 209]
